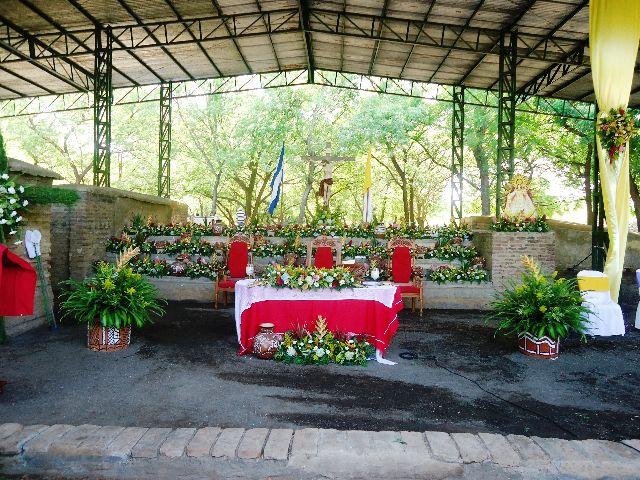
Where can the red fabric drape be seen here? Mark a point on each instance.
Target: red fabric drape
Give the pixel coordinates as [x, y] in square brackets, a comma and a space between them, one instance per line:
[238, 259]
[401, 265]
[323, 258]
[366, 317]
[17, 284]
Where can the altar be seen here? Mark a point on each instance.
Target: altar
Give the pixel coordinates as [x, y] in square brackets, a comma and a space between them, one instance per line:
[370, 310]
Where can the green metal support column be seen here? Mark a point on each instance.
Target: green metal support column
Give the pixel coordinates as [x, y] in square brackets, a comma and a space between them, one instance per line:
[599, 237]
[102, 100]
[506, 112]
[164, 148]
[457, 153]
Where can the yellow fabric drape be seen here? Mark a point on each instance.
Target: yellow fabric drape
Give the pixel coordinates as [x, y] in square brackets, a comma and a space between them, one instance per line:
[614, 32]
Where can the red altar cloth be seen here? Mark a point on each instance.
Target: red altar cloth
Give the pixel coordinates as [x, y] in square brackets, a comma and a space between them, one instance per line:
[357, 316]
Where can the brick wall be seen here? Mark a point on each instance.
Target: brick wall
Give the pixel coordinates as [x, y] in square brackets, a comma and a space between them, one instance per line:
[81, 230]
[38, 217]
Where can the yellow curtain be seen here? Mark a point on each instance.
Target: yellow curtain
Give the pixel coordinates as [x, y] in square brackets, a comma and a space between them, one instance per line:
[614, 32]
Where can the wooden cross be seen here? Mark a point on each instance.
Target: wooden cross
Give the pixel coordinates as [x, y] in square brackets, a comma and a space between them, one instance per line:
[327, 162]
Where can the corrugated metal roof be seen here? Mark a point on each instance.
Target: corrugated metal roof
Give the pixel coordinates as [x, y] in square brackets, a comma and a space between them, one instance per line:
[453, 42]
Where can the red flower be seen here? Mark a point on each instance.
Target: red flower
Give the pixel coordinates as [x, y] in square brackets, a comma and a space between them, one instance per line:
[280, 281]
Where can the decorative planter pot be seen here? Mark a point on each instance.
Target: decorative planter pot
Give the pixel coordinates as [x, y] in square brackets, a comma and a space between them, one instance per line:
[107, 339]
[544, 347]
[266, 343]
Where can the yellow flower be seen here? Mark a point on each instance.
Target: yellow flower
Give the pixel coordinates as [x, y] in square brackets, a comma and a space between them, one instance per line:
[108, 284]
[543, 309]
[131, 291]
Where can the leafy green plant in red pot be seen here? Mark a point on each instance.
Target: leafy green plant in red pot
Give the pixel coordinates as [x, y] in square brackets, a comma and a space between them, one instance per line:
[110, 302]
[540, 310]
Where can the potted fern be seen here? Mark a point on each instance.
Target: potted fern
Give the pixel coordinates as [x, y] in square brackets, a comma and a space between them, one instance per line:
[110, 302]
[540, 311]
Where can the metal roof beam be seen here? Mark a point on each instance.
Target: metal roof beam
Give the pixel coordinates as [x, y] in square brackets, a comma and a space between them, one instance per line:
[305, 25]
[554, 72]
[466, 24]
[14, 38]
[202, 49]
[543, 42]
[72, 36]
[216, 5]
[95, 22]
[426, 18]
[273, 47]
[376, 46]
[152, 35]
[437, 35]
[510, 26]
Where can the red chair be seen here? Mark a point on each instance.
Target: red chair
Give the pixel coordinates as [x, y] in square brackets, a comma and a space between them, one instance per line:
[320, 252]
[401, 267]
[237, 261]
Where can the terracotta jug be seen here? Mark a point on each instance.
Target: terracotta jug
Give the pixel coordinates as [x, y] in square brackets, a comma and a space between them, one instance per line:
[266, 342]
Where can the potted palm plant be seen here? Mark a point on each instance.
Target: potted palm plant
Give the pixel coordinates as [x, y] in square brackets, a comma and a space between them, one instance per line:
[540, 310]
[110, 302]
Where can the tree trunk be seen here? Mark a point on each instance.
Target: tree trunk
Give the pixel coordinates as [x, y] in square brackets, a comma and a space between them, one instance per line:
[588, 193]
[305, 193]
[214, 194]
[485, 183]
[635, 196]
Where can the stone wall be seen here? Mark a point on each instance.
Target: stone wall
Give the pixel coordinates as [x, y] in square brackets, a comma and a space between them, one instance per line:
[81, 230]
[38, 217]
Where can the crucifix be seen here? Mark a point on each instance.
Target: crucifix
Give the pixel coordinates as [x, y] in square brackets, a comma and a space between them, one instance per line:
[327, 162]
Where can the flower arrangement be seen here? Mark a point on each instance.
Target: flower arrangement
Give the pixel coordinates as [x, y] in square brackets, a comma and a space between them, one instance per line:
[366, 249]
[540, 305]
[615, 128]
[310, 278]
[322, 347]
[448, 233]
[445, 274]
[12, 204]
[529, 224]
[115, 296]
[450, 251]
[268, 249]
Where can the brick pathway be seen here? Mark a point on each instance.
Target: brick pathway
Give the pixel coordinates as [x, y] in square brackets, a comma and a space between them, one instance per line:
[91, 451]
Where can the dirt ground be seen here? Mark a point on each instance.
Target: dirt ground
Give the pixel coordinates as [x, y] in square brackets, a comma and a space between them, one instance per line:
[452, 375]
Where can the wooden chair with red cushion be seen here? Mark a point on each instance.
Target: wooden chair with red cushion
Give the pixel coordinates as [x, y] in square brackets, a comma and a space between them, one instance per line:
[237, 261]
[401, 263]
[320, 252]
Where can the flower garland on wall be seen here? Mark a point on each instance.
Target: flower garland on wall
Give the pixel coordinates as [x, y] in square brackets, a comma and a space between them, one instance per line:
[308, 278]
[12, 204]
[322, 347]
[447, 274]
[529, 224]
[615, 129]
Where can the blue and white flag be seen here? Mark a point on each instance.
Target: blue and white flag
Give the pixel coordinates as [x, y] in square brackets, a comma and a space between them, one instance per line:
[276, 183]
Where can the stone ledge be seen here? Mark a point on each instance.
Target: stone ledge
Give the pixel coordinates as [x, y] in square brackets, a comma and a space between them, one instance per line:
[117, 193]
[117, 452]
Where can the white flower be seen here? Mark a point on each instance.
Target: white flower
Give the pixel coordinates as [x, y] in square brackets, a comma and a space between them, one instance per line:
[349, 355]
[25, 203]
[13, 232]
[291, 352]
[18, 219]
[3, 221]
[12, 201]
[309, 279]
[21, 189]
[5, 176]
[320, 352]
[13, 214]
[285, 277]
[11, 190]
[18, 242]
[329, 279]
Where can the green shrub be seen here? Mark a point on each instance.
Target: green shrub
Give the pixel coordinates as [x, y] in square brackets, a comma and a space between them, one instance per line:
[541, 305]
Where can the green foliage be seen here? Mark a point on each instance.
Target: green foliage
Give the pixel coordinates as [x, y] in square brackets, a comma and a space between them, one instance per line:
[469, 273]
[115, 296]
[540, 305]
[4, 161]
[41, 195]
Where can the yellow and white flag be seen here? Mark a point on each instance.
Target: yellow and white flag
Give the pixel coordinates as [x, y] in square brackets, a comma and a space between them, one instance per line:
[367, 210]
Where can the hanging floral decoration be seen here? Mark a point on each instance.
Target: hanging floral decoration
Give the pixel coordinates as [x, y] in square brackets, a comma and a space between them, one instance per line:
[12, 203]
[615, 129]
